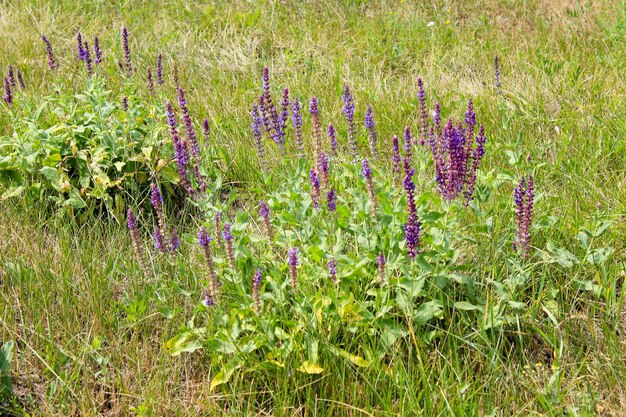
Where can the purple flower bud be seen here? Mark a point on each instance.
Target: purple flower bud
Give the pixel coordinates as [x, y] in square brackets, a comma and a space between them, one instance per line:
[256, 126]
[408, 138]
[227, 232]
[256, 284]
[296, 118]
[96, 50]
[332, 136]
[348, 112]
[159, 69]
[264, 212]
[11, 75]
[324, 168]
[270, 114]
[126, 49]
[79, 43]
[87, 59]
[8, 95]
[371, 127]
[206, 130]
[396, 160]
[20, 79]
[175, 74]
[496, 66]
[125, 103]
[367, 175]
[134, 234]
[421, 96]
[191, 131]
[174, 242]
[380, 261]
[180, 151]
[284, 116]
[203, 238]
[230, 253]
[313, 107]
[150, 81]
[52, 63]
[293, 268]
[332, 269]
[524, 197]
[315, 187]
[331, 200]
[159, 241]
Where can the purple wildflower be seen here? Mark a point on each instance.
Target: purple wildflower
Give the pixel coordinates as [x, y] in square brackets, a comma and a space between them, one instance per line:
[421, 97]
[180, 152]
[230, 253]
[332, 136]
[156, 199]
[217, 226]
[380, 261]
[264, 212]
[208, 301]
[205, 240]
[256, 297]
[293, 268]
[524, 212]
[8, 95]
[412, 229]
[408, 139]
[125, 103]
[332, 269]
[270, 114]
[175, 74]
[370, 125]
[324, 169]
[348, 112]
[96, 50]
[331, 200]
[11, 75]
[315, 187]
[191, 131]
[174, 242]
[317, 134]
[396, 160]
[81, 50]
[479, 152]
[206, 131]
[126, 48]
[282, 119]
[52, 63]
[496, 67]
[87, 59]
[296, 118]
[367, 175]
[20, 79]
[159, 241]
[256, 126]
[150, 81]
[134, 234]
[159, 69]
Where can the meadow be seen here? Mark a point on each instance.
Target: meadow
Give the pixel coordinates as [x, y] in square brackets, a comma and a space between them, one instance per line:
[312, 208]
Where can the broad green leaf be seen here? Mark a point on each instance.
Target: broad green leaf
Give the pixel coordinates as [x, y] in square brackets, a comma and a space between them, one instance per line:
[308, 367]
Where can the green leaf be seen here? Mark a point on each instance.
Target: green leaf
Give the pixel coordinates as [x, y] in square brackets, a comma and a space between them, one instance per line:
[6, 356]
[465, 306]
[357, 360]
[227, 371]
[428, 311]
[52, 175]
[308, 367]
[183, 342]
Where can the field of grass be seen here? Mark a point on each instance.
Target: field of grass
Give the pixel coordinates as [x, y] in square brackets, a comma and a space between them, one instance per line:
[484, 332]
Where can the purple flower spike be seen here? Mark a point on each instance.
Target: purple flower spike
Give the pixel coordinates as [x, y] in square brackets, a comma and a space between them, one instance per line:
[126, 48]
[315, 187]
[174, 242]
[159, 240]
[270, 114]
[150, 81]
[370, 125]
[367, 175]
[332, 136]
[331, 200]
[81, 50]
[205, 240]
[293, 268]
[408, 139]
[11, 75]
[52, 63]
[134, 235]
[324, 168]
[206, 131]
[87, 59]
[524, 197]
[257, 126]
[396, 160]
[421, 97]
[227, 232]
[8, 95]
[97, 51]
[380, 261]
[318, 153]
[175, 74]
[348, 112]
[332, 269]
[125, 103]
[20, 79]
[296, 118]
[412, 229]
[496, 67]
[230, 252]
[282, 120]
[159, 69]
[256, 296]
[180, 151]
[264, 212]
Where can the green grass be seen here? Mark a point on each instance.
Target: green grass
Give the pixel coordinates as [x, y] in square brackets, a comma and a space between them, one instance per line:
[80, 352]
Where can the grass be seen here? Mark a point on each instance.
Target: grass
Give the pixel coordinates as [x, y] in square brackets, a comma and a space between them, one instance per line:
[81, 350]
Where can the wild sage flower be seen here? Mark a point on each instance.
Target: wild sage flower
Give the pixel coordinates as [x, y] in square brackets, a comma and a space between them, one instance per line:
[367, 175]
[293, 268]
[524, 213]
[478, 154]
[11, 75]
[317, 134]
[408, 139]
[79, 44]
[228, 239]
[175, 74]
[159, 240]
[296, 118]
[134, 234]
[156, 199]
[332, 137]
[396, 160]
[348, 112]
[206, 130]
[150, 81]
[87, 59]
[380, 261]
[8, 95]
[126, 49]
[282, 119]
[125, 103]
[256, 296]
[97, 51]
[496, 67]
[315, 187]
[331, 200]
[217, 226]
[174, 242]
[180, 151]
[270, 114]
[370, 125]
[20, 79]
[159, 69]
[332, 269]
[421, 97]
[191, 131]
[52, 63]
[205, 240]
[324, 169]
[412, 229]
[264, 212]
[257, 126]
